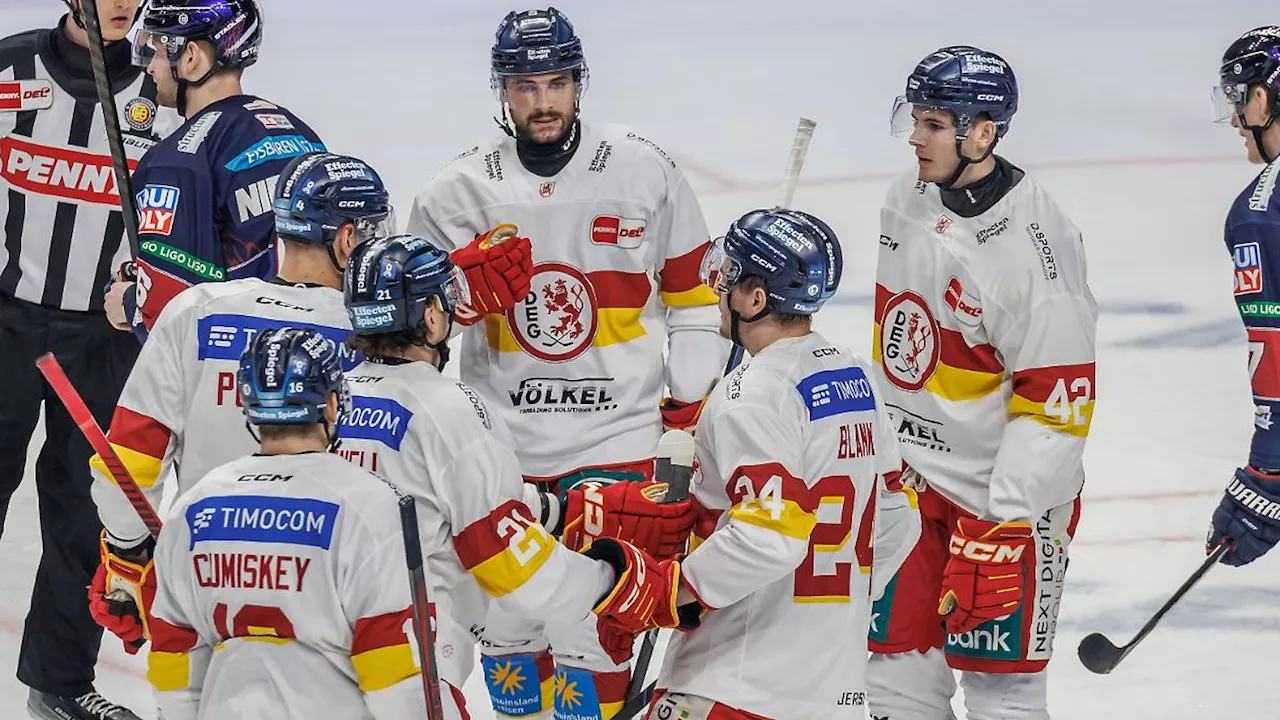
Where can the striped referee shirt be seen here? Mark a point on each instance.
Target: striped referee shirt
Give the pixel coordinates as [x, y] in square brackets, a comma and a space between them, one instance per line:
[62, 230]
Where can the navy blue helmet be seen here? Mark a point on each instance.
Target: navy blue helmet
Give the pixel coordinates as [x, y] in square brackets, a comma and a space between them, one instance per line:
[533, 42]
[965, 81]
[234, 27]
[796, 254]
[286, 376]
[1253, 60]
[318, 193]
[390, 280]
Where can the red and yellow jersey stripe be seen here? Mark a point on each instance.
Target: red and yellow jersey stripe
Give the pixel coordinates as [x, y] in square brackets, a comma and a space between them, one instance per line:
[140, 441]
[169, 662]
[380, 650]
[682, 284]
[504, 549]
[1058, 396]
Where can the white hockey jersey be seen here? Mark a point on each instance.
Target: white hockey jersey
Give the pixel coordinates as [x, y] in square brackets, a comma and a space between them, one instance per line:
[439, 442]
[576, 369]
[282, 594]
[180, 410]
[985, 338]
[800, 532]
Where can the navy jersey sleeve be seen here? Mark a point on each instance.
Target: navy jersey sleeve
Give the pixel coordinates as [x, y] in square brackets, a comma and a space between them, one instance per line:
[204, 199]
[1255, 252]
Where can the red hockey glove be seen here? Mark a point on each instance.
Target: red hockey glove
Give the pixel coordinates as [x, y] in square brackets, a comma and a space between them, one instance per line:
[630, 511]
[983, 579]
[122, 592]
[498, 265]
[644, 594]
[678, 415]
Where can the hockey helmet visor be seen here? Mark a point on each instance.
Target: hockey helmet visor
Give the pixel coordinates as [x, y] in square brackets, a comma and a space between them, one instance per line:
[719, 270]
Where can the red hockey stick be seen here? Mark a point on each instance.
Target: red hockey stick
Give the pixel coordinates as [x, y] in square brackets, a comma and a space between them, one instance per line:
[61, 385]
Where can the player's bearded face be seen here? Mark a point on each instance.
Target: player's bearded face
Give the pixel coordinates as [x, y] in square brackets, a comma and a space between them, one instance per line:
[158, 69]
[542, 106]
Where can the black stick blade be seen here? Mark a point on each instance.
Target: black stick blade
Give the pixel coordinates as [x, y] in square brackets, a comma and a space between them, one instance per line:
[1099, 654]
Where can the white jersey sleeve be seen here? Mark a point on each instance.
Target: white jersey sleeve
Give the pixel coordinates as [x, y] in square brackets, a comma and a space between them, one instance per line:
[292, 566]
[179, 413]
[786, 489]
[438, 441]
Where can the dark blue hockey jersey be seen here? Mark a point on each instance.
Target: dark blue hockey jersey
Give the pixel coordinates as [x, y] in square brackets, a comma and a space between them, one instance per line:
[204, 199]
[1253, 236]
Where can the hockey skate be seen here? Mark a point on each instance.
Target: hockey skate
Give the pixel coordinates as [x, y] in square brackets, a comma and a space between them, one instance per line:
[89, 706]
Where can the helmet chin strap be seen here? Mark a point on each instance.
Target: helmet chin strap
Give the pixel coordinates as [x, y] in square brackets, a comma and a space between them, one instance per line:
[442, 346]
[735, 318]
[1256, 131]
[183, 85]
[965, 162]
[331, 439]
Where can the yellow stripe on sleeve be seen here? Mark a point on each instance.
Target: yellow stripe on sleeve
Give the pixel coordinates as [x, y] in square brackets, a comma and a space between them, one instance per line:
[168, 671]
[383, 667]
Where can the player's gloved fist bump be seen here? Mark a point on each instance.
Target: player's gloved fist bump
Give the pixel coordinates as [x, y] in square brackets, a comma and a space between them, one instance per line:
[1248, 516]
[123, 588]
[678, 415]
[644, 590]
[630, 511]
[983, 578]
[498, 265]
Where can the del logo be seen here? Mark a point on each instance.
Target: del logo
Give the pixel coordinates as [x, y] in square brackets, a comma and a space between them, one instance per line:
[557, 320]
[157, 207]
[379, 419]
[943, 223]
[964, 305]
[26, 95]
[614, 230]
[909, 342]
[70, 174]
[1248, 260]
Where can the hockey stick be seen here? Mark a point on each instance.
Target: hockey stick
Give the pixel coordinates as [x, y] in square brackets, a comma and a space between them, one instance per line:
[110, 118]
[52, 371]
[674, 467]
[1101, 656]
[638, 698]
[786, 192]
[422, 630]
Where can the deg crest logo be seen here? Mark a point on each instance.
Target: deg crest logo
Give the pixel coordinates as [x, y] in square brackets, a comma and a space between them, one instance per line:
[557, 321]
[909, 341]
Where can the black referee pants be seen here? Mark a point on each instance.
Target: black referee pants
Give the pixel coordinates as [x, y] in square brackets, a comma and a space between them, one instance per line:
[60, 640]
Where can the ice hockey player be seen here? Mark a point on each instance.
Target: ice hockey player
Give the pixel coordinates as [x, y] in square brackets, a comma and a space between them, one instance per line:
[1248, 516]
[179, 414]
[289, 561]
[204, 194]
[486, 532]
[984, 341]
[575, 365]
[63, 235]
[794, 453]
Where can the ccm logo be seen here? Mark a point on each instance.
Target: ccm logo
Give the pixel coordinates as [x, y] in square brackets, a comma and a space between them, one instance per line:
[620, 231]
[985, 552]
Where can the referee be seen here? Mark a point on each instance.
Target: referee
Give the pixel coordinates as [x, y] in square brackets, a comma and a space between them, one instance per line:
[63, 235]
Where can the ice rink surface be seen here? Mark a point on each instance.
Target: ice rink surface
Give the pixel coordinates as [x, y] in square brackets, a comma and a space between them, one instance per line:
[1114, 120]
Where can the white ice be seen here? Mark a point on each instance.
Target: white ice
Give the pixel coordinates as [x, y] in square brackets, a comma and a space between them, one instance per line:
[1114, 120]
